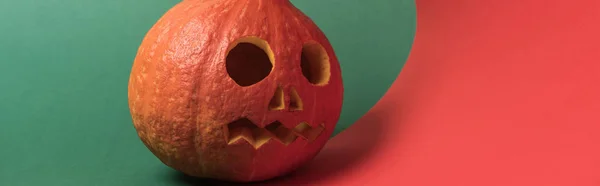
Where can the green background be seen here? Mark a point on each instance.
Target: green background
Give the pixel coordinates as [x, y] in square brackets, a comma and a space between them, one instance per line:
[65, 65]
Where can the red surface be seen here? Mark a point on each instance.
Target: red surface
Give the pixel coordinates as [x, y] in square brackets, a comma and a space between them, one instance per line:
[494, 93]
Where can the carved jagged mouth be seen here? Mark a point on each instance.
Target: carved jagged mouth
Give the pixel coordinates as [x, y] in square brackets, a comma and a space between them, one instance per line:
[244, 129]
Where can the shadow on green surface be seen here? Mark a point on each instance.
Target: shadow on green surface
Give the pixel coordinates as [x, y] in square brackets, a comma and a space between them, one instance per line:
[183, 179]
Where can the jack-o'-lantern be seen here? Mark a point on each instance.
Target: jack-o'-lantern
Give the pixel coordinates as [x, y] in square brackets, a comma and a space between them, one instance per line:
[237, 90]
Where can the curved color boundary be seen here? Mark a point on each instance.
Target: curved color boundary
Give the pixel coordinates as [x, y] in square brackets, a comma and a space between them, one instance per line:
[372, 40]
[494, 93]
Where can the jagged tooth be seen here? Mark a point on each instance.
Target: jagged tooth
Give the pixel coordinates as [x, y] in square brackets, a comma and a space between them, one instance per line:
[307, 132]
[240, 133]
[287, 135]
[238, 140]
[281, 133]
[256, 145]
[261, 136]
[313, 133]
[244, 129]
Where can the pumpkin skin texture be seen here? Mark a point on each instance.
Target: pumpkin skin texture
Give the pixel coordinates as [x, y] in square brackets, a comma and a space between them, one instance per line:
[235, 90]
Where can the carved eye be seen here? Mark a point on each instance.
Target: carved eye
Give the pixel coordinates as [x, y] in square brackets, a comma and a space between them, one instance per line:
[249, 61]
[315, 64]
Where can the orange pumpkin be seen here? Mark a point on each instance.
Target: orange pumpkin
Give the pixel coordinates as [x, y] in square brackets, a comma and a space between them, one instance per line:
[237, 90]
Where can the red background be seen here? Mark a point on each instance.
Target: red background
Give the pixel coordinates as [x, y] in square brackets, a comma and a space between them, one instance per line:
[494, 93]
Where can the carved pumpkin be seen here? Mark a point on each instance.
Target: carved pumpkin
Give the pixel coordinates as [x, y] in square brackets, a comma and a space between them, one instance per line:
[237, 90]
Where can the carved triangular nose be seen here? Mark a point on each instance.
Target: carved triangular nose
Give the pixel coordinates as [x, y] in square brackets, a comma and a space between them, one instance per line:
[295, 100]
[277, 102]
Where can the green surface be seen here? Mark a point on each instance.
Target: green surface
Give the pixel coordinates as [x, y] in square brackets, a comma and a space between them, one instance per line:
[65, 65]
